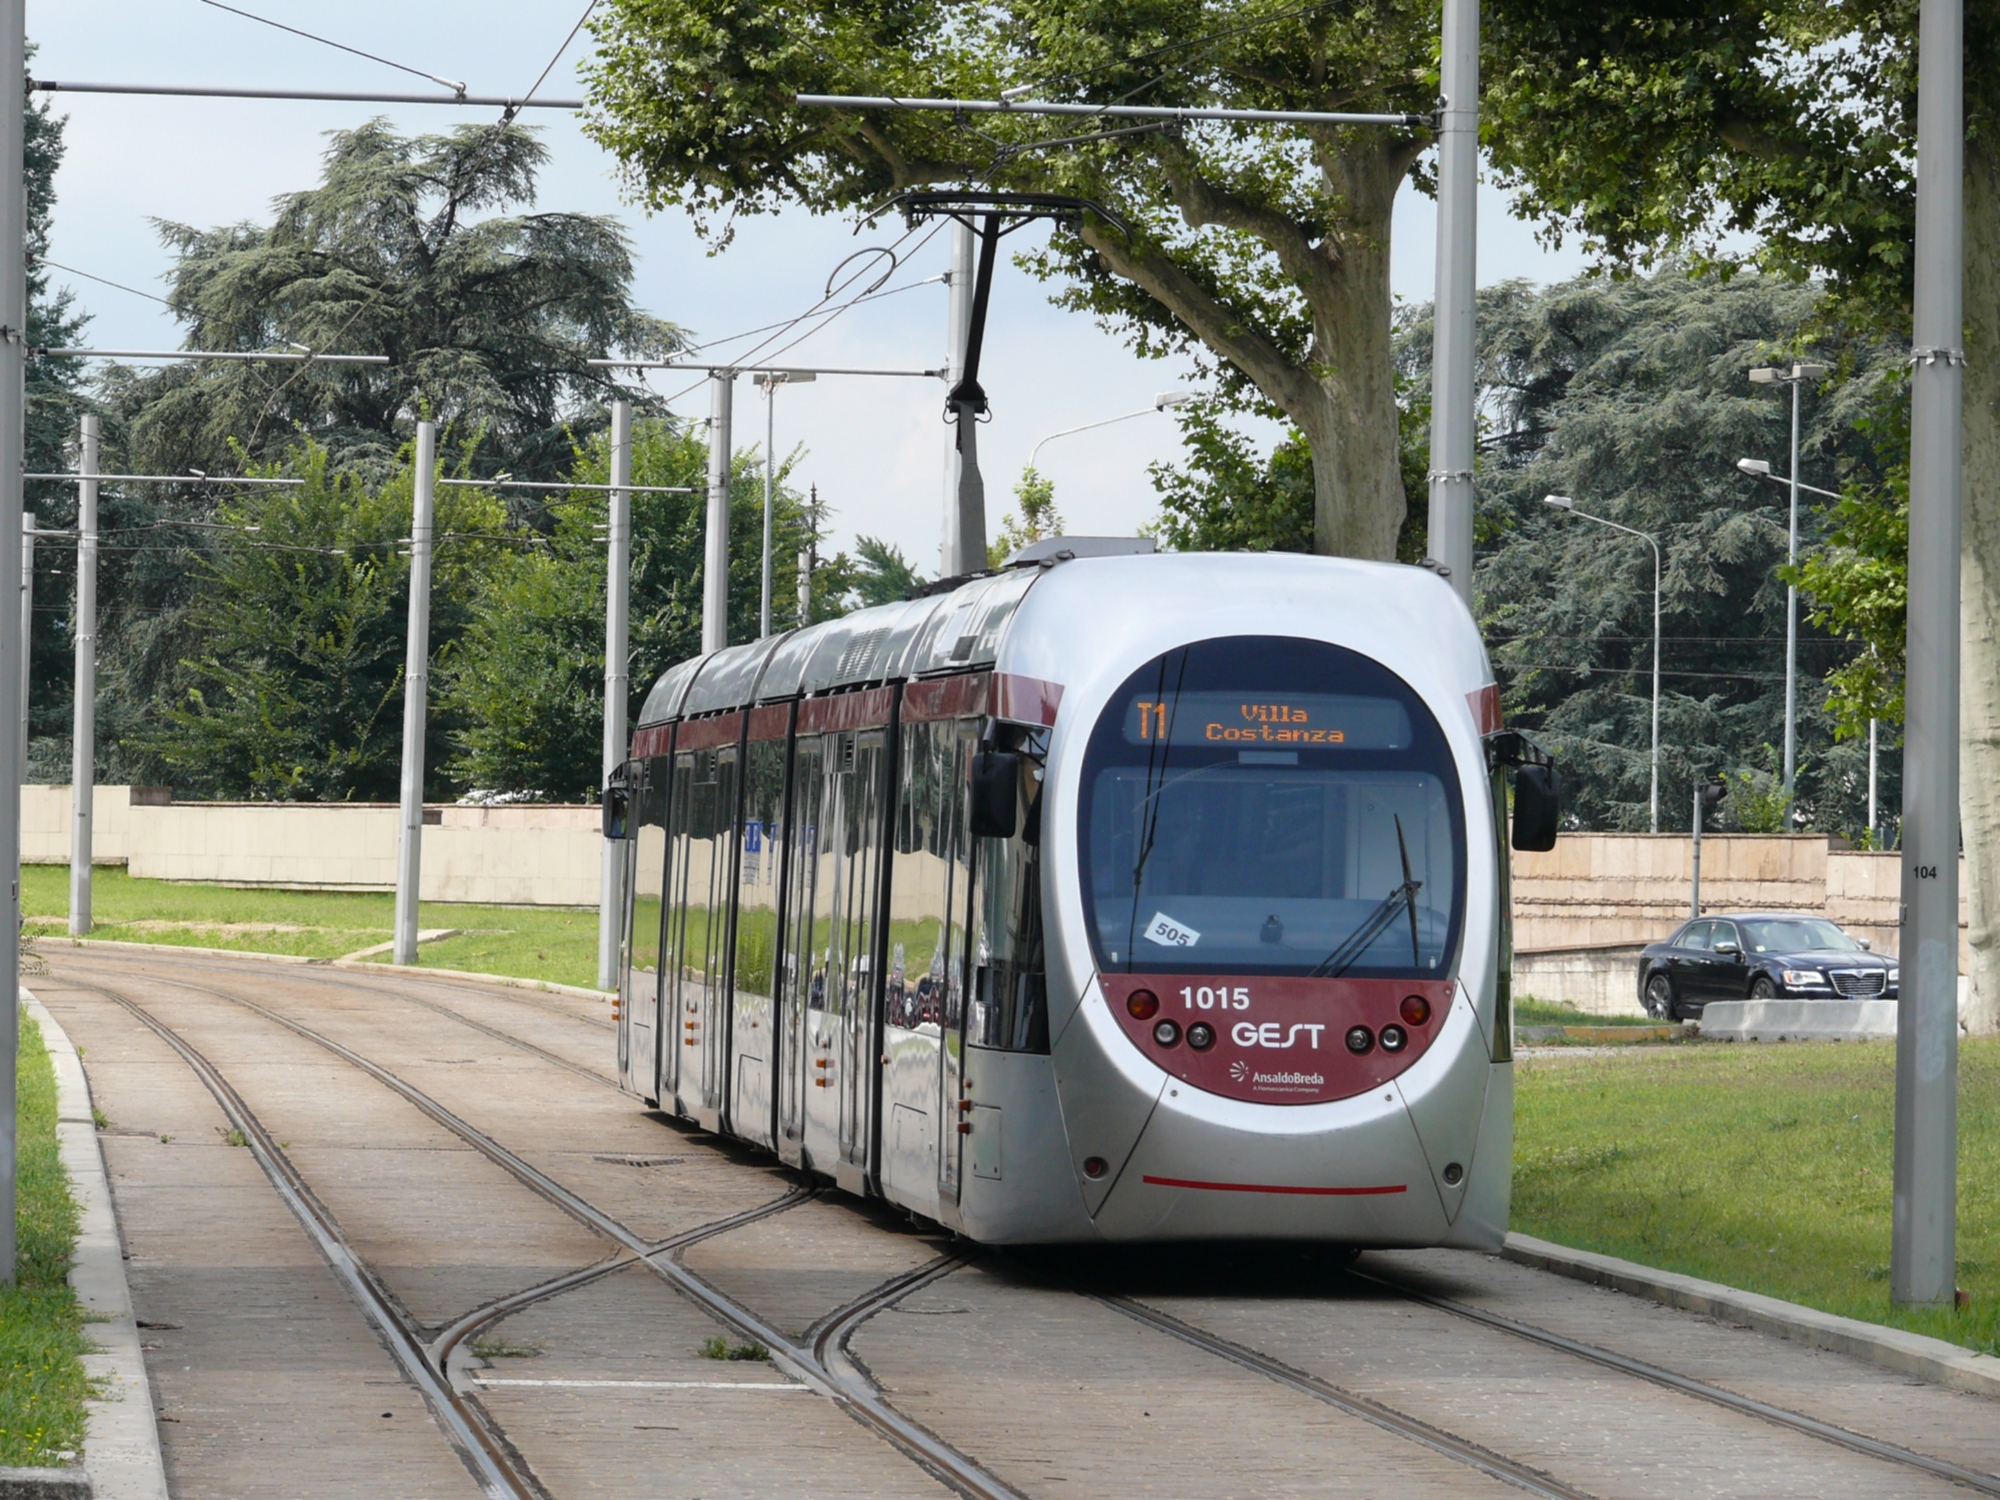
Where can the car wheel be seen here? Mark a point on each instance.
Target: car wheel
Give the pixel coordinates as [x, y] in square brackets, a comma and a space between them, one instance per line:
[1761, 988]
[1660, 998]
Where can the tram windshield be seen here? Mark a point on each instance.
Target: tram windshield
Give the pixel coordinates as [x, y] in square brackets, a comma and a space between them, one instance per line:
[1266, 805]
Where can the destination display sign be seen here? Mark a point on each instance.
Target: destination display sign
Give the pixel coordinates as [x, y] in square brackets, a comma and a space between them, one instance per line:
[1252, 721]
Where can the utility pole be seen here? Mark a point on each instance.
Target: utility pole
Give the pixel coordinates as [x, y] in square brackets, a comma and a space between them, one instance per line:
[1694, 887]
[964, 257]
[27, 628]
[83, 723]
[416, 684]
[1452, 417]
[1923, 1268]
[769, 381]
[13, 662]
[715, 555]
[617, 667]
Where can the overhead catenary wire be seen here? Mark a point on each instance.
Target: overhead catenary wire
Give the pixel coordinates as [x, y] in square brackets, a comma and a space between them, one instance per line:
[56, 265]
[456, 86]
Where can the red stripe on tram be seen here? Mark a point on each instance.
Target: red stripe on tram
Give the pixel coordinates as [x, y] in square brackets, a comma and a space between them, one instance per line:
[1265, 1187]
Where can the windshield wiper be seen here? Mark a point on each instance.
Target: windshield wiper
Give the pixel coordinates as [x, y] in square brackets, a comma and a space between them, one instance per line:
[1363, 937]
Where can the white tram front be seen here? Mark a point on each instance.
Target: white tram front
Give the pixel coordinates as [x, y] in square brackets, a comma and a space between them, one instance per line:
[1105, 898]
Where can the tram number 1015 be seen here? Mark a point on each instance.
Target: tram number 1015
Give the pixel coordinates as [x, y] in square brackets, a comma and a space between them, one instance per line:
[1215, 999]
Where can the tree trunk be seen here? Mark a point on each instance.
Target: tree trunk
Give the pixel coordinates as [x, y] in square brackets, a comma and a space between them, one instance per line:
[1979, 580]
[1349, 411]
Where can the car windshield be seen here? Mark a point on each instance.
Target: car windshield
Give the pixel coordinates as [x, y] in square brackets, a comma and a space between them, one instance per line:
[1796, 935]
[1275, 806]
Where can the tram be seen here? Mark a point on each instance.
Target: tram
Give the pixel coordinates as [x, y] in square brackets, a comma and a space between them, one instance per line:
[1105, 897]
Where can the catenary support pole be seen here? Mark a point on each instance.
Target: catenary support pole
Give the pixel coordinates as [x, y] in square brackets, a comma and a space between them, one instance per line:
[964, 257]
[1792, 616]
[1653, 797]
[1874, 838]
[27, 628]
[1924, 1219]
[416, 684]
[13, 665]
[83, 721]
[1452, 416]
[805, 589]
[617, 667]
[1694, 887]
[715, 554]
[770, 488]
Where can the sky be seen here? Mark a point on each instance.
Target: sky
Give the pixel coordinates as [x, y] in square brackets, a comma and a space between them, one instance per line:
[874, 446]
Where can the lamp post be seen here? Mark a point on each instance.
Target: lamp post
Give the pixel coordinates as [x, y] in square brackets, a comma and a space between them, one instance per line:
[769, 381]
[1563, 502]
[1795, 377]
[1161, 402]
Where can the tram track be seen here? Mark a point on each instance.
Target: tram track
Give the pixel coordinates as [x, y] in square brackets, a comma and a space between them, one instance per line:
[478, 1440]
[1687, 1385]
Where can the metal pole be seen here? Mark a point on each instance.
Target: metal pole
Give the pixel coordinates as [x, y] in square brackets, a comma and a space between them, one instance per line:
[617, 667]
[1452, 417]
[1923, 1250]
[27, 628]
[13, 664]
[959, 334]
[1655, 794]
[83, 721]
[805, 588]
[416, 681]
[1792, 615]
[1872, 839]
[770, 482]
[1694, 889]
[715, 555]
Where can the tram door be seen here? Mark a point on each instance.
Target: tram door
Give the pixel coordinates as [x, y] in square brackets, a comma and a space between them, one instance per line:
[702, 813]
[645, 854]
[801, 987]
[761, 837]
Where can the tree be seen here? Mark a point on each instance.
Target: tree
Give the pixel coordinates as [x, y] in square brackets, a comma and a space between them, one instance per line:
[488, 321]
[1651, 127]
[1262, 253]
[1224, 498]
[296, 692]
[1039, 518]
[1630, 396]
[525, 683]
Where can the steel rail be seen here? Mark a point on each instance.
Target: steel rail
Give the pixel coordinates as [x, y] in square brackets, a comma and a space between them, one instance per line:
[914, 1441]
[1449, 1445]
[1687, 1385]
[477, 1445]
[828, 1336]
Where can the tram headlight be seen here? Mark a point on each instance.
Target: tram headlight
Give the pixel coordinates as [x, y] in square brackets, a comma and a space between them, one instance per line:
[1416, 1010]
[1167, 1033]
[1359, 1040]
[1143, 1004]
[1394, 1038]
[1201, 1036]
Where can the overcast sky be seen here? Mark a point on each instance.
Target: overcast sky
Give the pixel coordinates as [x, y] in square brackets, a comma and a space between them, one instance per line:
[875, 447]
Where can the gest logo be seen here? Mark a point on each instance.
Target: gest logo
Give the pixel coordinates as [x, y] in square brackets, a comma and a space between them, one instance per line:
[1274, 1035]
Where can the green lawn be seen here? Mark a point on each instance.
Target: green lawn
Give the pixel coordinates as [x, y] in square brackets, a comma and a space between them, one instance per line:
[42, 1343]
[558, 944]
[1528, 1011]
[1765, 1167]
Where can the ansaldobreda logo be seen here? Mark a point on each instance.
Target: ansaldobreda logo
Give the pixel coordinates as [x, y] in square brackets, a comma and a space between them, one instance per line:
[1288, 1079]
[1239, 1070]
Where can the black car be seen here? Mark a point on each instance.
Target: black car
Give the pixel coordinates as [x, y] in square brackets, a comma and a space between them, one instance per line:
[1760, 956]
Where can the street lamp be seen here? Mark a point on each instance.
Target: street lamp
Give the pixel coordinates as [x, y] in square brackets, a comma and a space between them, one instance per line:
[1795, 377]
[1161, 402]
[770, 380]
[1563, 502]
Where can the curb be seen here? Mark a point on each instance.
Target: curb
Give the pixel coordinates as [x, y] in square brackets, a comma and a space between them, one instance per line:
[63, 940]
[45, 1484]
[122, 1440]
[1913, 1354]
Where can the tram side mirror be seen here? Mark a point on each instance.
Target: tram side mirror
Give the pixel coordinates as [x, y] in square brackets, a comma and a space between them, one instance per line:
[1537, 808]
[617, 808]
[996, 793]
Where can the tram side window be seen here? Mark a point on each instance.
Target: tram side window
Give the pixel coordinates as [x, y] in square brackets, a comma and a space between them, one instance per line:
[648, 867]
[930, 883]
[760, 860]
[1009, 985]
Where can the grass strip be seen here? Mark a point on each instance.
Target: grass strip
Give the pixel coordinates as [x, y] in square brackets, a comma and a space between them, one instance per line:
[42, 1342]
[1766, 1167]
[1528, 1011]
[557, 944]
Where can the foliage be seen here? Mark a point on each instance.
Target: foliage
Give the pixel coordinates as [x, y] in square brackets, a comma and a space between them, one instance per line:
[1224, 498]
[488, 322]
[301, 614]
[1766, 1168]
[1259, 252]
[1756, 795]
[42, 1338]
[525, 683]
[1039, 518]
[1631, 396]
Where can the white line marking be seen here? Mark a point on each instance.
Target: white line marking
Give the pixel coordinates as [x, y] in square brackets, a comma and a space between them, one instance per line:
[654, 1385]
